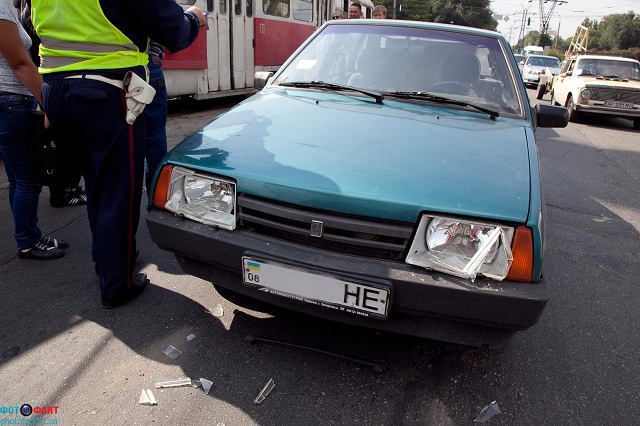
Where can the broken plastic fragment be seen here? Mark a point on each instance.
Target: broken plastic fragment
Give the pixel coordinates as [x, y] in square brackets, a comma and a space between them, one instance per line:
[172, 352]
[175, 383]
[264, 392]
[487, 412]
[206, 385]
[147, 398]
[191, 337]
[218, 311]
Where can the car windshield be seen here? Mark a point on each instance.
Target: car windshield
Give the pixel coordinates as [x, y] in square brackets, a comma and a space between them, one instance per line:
[609, 68]
[544, 61]
[391, 59]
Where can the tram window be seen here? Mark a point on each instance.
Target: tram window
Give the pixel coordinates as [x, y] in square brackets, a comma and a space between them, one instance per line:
[276, 8]
[249, 8]
[302, 10]
[237, 6]
[210, 5]
[186, 2]
[223, 7]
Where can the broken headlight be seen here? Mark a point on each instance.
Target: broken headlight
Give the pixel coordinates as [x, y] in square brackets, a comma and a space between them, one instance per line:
[460, 247]
[203, 198]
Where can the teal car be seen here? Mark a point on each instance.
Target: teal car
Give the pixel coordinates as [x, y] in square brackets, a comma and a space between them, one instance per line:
[386, 176]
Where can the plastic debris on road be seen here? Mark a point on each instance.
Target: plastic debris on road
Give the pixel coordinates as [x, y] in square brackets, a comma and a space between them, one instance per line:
[264, 392]
[147, 398]
[218, 311]
[487, 412]
[177, 383]
[172, 352]
[191, 337]
[206, 385]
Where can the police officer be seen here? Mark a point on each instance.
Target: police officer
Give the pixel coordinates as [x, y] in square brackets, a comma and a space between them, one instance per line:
[87, 48]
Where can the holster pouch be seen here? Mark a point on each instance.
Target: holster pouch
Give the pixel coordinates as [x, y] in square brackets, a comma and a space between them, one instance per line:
[138, 94]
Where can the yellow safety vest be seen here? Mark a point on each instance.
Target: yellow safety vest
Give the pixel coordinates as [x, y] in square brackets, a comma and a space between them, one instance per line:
[76, 36]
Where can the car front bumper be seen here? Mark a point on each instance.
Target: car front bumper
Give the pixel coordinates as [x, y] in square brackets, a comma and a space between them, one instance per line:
[422, 303]
[609, 111]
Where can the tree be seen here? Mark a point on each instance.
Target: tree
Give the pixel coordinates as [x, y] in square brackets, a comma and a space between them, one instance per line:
[619, 31]
[470, 13]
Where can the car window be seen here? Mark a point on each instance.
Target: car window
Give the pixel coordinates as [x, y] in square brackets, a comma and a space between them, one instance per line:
[390, 59]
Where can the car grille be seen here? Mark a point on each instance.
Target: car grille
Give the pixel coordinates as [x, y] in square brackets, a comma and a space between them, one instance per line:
[345, 234]
[623, 95]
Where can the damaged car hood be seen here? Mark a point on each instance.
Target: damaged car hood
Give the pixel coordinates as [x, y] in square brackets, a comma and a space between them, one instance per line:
[348, 154]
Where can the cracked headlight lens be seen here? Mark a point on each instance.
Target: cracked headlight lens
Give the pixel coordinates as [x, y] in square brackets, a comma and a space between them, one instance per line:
[203, 198]
[463, 248]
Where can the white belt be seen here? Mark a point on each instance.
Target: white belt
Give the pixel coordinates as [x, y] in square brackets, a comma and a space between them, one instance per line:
[138, 92]
[117, 83]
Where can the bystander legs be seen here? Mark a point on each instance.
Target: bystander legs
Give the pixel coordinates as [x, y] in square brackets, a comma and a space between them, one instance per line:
[19, 82]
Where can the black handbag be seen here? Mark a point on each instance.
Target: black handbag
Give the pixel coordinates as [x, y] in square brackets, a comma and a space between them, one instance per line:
[48, 160]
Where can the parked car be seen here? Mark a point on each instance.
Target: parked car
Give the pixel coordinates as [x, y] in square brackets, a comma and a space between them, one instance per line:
[534, 65]
[602, 85]
[386, 176]
[519, 58]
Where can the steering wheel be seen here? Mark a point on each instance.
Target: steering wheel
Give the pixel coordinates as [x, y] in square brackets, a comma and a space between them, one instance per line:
[453, 87]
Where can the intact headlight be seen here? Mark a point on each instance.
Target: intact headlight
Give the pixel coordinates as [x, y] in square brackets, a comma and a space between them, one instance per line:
[463, 248]
[203, 198]
[586, 93]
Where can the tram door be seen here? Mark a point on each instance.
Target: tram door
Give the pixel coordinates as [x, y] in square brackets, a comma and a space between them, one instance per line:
[241, 43]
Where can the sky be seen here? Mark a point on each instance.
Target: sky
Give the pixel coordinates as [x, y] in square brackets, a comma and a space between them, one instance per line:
[567, 14]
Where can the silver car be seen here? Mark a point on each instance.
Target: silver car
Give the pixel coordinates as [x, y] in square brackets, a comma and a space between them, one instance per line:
[535, 64]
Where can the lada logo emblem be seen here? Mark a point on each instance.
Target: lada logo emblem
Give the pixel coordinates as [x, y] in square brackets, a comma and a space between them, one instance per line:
[316, 228]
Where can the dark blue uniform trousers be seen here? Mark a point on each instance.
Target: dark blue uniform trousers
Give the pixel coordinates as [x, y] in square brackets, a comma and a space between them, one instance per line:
[89, 115]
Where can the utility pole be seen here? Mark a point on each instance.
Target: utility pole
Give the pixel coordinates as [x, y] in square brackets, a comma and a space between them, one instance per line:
[546, 16]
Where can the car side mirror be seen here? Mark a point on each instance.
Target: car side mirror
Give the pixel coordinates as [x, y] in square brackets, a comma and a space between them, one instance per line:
[261, 78]
[551, 116]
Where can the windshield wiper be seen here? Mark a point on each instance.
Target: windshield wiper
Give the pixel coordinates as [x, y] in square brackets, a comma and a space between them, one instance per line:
[612, 77]
[335, 87]
[425, 96]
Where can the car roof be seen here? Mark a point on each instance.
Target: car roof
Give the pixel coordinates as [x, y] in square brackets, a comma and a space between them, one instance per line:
[612, 58]
[417, 24]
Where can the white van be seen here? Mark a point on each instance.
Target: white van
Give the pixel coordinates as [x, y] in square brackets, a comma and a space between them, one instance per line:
[533, 50]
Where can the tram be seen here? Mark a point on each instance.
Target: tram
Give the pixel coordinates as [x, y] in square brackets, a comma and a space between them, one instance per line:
[242, 37]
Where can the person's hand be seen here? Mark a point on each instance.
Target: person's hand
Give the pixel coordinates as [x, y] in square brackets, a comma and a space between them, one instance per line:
[201, 16]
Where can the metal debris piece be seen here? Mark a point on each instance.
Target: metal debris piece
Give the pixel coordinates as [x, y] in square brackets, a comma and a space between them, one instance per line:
[147, 398]
[191, 337]
[175, 383]
[206, 385]
[378, 368]
[264, 392]
[487, 412]
[172, 352]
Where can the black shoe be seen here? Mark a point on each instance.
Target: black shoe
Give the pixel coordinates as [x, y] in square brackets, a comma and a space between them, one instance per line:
[79, 190]
[71, 198]
[40, 252]
[53, 242]
[138, 284]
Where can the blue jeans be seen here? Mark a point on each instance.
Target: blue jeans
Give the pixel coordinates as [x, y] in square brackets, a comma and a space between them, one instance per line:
[16, 129]
[155, 146]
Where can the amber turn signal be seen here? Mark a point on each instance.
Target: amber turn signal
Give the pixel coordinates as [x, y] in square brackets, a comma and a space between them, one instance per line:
[161, 191]
[522, 250]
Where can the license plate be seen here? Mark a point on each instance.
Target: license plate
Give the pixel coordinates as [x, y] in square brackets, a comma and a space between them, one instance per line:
[316, 289]
[616, 104]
